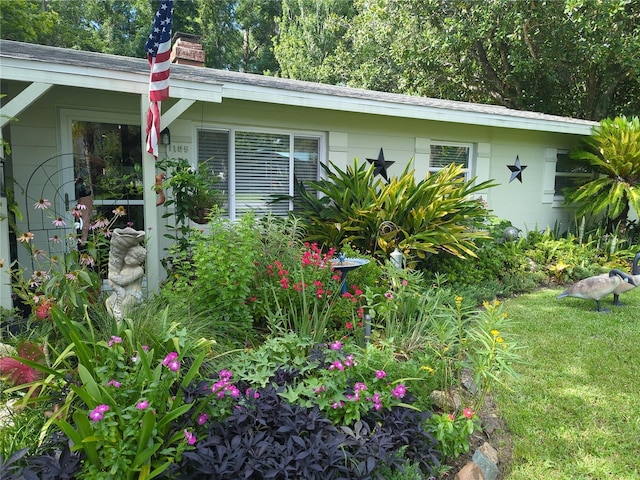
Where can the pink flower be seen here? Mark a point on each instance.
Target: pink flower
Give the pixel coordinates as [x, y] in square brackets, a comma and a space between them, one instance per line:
[101, 222]
[404, 283]
[380, 374]
[336, 345]
[73, 276]
[189, 437]
[399, 391]
[114, 339]
[59, 222]
[451, 417]
[142, 404]
[119, 211]
[284, 282]
[86, 259]
[202, 418]
[467, 412]
[98, 413]
[55, 239]
[42, 204]
[171, 361]
[114, 383]
[337, 365]
[359, 387]
[389, 295]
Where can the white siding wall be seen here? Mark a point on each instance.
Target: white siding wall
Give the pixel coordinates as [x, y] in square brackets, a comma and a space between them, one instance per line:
[36, 137]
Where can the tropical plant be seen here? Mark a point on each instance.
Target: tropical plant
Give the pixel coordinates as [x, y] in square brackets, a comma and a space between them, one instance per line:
[421, 218]
[614, 149]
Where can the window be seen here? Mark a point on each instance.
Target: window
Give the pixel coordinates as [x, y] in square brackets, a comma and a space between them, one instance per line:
[107, 164]
[571, 173]
[256, 166]
[442, 155]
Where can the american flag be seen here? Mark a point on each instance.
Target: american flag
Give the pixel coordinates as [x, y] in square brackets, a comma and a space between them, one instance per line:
[158, 48]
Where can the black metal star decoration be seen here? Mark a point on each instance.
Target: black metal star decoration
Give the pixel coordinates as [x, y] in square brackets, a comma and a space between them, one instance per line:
[381, 165]
[516, 170]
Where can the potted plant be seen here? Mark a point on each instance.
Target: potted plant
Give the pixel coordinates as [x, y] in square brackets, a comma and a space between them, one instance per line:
[193, 190]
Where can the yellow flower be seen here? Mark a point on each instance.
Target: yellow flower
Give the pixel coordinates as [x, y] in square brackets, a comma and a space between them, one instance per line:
[495, 333]
[499, 339]
[428, 369]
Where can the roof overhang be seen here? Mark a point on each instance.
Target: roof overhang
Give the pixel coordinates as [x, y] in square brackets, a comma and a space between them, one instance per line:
[55, 66]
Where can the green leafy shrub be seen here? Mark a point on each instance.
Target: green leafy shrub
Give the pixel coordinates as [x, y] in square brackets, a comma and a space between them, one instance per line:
[453, 432]
[218, 280]
[420, 218]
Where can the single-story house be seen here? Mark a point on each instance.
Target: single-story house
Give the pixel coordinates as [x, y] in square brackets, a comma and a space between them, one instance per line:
[70, 115]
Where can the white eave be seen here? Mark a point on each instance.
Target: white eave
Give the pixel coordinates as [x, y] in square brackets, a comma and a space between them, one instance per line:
[37, 63]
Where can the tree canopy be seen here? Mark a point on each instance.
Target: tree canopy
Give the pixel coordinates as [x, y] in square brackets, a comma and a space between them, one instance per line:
[567, 57]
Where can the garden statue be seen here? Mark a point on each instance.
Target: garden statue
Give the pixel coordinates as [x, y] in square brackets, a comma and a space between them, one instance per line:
[126, 272]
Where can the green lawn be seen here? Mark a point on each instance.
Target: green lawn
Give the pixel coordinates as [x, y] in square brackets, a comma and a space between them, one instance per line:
[574, 413]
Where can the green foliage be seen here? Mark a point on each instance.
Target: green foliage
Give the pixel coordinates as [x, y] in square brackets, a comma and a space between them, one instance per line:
[123, 400]
[420, 218]
[219, 279]
[70, 272]
[502, 52]
[193, 191]
[403, 311]
[614, 149]
[453, 432]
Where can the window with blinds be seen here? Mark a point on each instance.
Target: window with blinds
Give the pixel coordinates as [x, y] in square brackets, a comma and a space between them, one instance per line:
[443, 155]
[264, 165]
[571, 173]
[213, 149]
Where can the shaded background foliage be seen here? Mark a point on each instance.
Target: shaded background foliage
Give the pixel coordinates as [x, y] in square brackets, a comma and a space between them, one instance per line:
[573, 57]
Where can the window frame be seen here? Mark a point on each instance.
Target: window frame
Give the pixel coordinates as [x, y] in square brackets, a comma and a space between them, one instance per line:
[470, 159]
[559, 197]
[67, 116]
[232, 131]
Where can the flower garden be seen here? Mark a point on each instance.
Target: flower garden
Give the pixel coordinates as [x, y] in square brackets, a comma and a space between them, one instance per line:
[253, 360]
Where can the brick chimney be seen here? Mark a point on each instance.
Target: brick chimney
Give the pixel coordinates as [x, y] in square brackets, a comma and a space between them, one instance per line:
[187, 50]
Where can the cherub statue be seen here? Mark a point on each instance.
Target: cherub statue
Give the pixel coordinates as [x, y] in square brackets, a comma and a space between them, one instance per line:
[126, 272]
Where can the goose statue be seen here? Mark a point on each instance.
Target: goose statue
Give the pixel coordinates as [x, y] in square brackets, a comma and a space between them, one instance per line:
[624, 286]
[598, 286]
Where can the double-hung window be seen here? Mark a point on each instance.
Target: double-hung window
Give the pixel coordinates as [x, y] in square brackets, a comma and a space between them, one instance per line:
[257, 166]
[570, 173]
[444, 154]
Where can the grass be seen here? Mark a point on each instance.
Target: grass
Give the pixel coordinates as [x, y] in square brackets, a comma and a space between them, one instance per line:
[574, 413]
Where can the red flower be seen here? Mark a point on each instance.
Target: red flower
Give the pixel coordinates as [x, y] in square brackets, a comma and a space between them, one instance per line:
[467, 412]
[284, 281]
[43, 311]
[349, 326]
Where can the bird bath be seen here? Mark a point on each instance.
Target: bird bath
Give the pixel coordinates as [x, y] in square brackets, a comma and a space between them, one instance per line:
[345, 265]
